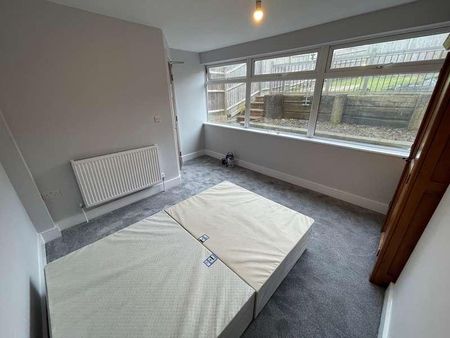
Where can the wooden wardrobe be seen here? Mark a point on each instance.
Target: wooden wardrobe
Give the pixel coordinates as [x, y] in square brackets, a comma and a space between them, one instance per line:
[421, 187]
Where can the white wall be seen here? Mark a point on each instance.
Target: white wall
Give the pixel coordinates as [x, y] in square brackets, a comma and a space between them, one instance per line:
[420, 297]
[76, 84]
[359, 177]
[189, 81]
[408, 17]
[22, 180]
[20, 282]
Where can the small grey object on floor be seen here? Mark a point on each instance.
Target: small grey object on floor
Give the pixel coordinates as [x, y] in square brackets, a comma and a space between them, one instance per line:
[326, 294]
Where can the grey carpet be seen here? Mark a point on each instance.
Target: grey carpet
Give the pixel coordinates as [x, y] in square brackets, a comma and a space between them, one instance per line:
[326, 294]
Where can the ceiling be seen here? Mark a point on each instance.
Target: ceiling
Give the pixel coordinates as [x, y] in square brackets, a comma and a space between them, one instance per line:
[201, 25]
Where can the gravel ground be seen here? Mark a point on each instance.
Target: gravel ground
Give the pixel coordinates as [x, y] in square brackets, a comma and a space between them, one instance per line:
[395, 134]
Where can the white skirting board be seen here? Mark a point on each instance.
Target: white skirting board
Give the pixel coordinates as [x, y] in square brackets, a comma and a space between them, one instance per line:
[111, 206]
[51, 234]
[323, 189]
[385, 320]
[193, 155]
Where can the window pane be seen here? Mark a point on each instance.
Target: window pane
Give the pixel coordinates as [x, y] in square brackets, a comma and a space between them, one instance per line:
[281, 105]
[408, 50]
[286, 64]
[227, 72]
[383, 110]
[226, 101]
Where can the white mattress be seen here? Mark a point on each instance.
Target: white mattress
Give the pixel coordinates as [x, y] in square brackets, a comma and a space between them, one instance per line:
[257, 238]
[147, 280]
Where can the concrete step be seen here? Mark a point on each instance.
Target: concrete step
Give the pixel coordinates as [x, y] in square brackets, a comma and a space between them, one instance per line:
[256, 112]
[259, 99]
[257, 104]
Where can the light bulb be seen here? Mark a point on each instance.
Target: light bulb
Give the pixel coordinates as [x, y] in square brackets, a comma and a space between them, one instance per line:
[258, 14]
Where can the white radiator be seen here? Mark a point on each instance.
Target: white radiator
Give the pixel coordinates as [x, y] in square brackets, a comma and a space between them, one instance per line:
[104, 178]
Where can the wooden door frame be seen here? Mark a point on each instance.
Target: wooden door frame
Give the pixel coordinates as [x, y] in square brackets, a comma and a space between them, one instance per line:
[400, 237]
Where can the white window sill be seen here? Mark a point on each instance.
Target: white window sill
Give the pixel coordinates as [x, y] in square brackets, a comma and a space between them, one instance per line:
[402, 153]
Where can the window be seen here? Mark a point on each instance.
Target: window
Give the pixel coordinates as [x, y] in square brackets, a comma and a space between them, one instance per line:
[226, 93]
[384, 110]
[227, 72]
[424, 48]
[286, 64]
[281, 105]
[226, 103]
[373, 93]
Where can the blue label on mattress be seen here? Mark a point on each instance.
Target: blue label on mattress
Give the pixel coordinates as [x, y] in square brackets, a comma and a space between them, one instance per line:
[203, 238]
[210, 260]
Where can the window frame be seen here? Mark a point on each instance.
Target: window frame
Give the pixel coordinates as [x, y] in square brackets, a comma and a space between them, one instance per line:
[287, 75]
[222, 64]
[324, 71]
[387, 38]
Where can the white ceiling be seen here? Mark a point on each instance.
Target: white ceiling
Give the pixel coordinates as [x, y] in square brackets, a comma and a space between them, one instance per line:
[201, 25]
